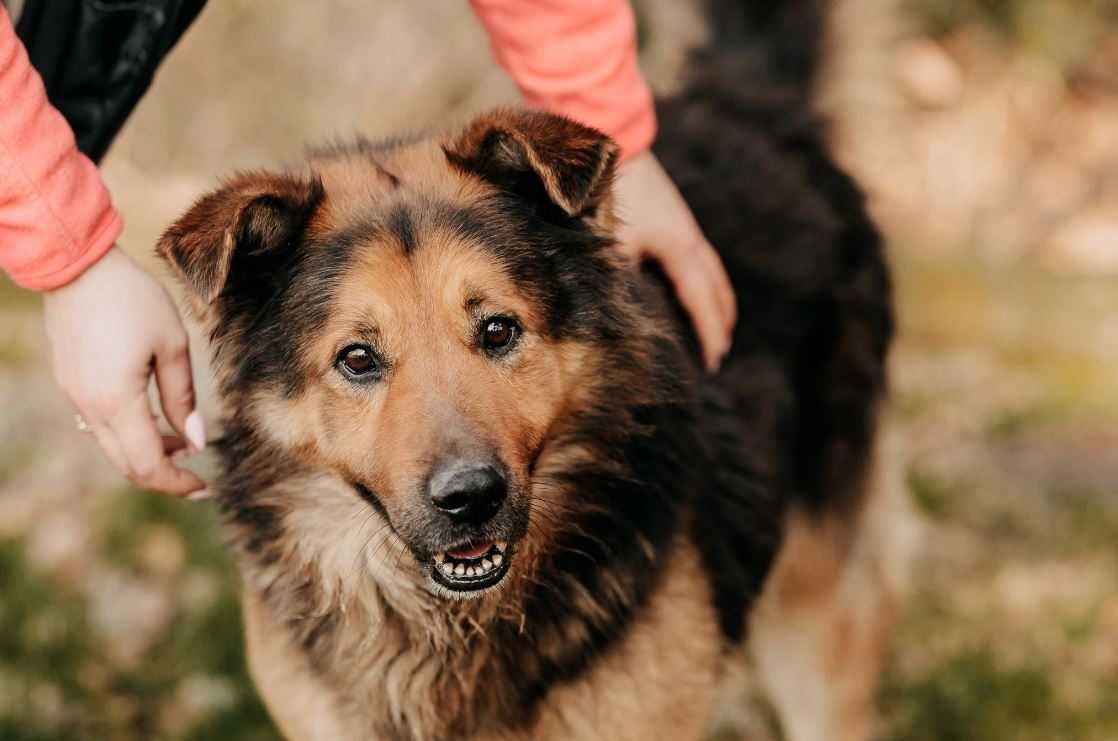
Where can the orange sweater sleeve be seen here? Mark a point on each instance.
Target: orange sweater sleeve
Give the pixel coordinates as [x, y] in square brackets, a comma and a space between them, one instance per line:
[56, 218]
[577, 58]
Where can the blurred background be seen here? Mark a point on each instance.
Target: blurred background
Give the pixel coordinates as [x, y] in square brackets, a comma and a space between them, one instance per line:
[986, 135]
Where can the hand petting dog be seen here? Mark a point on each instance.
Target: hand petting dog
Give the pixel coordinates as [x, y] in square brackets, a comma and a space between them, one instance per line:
[107, 333]
[657, 224]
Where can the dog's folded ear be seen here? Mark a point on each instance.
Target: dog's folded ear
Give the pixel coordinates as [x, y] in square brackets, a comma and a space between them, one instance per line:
[525, 151]
[252, 215]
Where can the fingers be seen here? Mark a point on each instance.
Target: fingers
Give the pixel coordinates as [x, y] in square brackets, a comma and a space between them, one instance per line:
[146, 461]
[724, 291]
[702, 306]
[176, 388]
[705, 292]
[173, 444]
[104, 329]
[661, 226]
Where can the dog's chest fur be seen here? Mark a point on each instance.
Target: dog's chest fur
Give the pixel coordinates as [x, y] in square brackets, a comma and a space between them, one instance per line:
[372, 674]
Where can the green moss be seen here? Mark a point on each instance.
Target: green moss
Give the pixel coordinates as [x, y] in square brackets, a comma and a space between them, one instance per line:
[1011, 422]
[975, 695]
[970, 697]
[933, 496]
[122, 517]
[45, 637]
[1088, 518]
[42, 626]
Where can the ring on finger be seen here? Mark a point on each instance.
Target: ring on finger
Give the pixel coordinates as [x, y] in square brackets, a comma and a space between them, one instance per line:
[81, 424]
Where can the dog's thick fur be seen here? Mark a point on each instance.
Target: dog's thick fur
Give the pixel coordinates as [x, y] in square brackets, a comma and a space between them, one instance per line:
[665, 524]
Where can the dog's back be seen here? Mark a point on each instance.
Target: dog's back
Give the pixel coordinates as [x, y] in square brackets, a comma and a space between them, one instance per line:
[807, 264]
[803, 385]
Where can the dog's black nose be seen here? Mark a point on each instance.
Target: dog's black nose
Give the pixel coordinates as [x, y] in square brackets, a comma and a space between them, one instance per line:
[468, 492]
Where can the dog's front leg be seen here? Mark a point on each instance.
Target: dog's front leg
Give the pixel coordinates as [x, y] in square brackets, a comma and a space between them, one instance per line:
[300, 704]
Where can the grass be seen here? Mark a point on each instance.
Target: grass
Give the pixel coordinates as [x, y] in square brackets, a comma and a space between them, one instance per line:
[975, 695]
[59, 680]
[934, 497]
[1006, 388]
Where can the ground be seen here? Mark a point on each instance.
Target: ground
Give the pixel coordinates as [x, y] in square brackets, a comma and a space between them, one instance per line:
[119, 616]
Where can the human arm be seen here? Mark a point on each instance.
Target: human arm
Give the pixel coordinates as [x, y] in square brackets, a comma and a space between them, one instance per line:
[109, 324]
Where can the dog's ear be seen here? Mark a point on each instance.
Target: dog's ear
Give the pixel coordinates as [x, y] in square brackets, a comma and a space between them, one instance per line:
[526, 151]
[253, 214]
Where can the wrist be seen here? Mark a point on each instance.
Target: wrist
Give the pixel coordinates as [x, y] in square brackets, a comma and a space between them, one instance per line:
[112, 259]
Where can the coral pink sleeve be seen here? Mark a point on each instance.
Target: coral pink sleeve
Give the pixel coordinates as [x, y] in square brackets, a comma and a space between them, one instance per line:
[56, 218]
[577, 58]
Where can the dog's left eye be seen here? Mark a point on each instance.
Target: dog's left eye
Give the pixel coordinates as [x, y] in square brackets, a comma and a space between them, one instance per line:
[499, 334]
[358, 362]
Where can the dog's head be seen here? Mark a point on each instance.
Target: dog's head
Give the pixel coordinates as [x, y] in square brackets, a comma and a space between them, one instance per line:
[416, 321]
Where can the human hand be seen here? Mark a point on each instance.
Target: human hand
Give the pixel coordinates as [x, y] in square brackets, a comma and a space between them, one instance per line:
[658, 224]
[108, 331]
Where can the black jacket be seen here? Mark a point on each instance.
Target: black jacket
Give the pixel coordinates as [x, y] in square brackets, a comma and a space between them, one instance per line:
[98, 57]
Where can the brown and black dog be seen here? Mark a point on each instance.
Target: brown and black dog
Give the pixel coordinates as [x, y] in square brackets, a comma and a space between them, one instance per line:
[479, 485]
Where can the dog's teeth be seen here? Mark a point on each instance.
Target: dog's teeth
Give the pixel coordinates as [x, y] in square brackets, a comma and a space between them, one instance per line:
[448, 568]
[486, 564]
[460, 569]
[439, 557]
[497, 559]
[502, 545]
[471, 571]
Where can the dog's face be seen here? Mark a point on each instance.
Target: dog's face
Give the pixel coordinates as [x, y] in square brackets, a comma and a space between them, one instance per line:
[416, 321]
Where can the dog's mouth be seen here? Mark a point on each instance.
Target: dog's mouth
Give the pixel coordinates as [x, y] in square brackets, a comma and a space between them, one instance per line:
[472, 567]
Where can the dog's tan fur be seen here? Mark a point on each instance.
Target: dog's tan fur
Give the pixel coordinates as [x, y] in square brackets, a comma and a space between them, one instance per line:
[819, 633]
[640, 692]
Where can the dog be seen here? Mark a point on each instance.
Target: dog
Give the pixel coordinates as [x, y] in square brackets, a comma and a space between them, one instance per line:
[478, 483]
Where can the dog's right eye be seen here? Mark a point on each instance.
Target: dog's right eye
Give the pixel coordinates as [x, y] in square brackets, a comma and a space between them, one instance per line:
[359, 363]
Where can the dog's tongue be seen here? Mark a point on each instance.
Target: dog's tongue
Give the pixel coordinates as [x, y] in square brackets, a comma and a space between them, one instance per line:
[471, 551]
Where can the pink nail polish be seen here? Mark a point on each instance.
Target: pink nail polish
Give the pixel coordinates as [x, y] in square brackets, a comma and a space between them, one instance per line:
[195, 431]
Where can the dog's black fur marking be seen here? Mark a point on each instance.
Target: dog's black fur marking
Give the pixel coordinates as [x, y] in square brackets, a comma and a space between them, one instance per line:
[400, 222]
[261, 523]
[627, 537]
[369, 496]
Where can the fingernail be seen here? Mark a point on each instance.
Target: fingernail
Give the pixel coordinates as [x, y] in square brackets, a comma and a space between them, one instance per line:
[714, 364]
[200, 495]
[195, 431]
